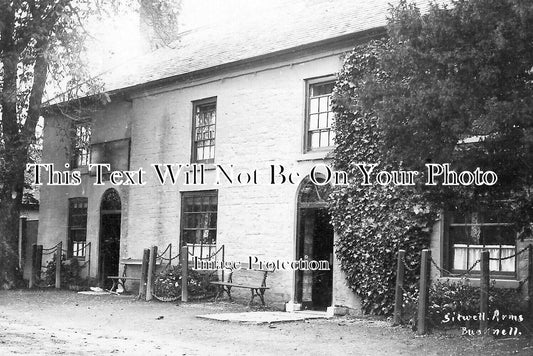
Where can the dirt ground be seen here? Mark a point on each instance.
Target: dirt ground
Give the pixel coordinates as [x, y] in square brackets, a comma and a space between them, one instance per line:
[48, 322]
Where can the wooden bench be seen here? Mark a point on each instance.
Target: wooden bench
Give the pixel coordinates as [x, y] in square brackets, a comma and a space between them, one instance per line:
[121, 280]
[258, 290]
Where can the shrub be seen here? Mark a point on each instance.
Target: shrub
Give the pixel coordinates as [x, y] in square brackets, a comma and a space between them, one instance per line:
[463, 299]
[167, 285]
[70, 273]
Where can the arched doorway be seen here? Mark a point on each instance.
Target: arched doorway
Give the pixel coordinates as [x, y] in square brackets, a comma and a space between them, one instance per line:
[314, 289]
[110, 216]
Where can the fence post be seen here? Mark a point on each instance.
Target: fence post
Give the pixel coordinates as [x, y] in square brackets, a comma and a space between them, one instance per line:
[59, 249]
[144, 273]
[398, 300]
[32, 265]
[184, 273]
[530, 278]
[423, 296]
[484, 292]
[22, 241]
[151, 273]
[38, 262]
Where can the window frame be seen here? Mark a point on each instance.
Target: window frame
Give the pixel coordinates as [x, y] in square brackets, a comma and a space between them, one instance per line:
[81, 145]
[447, 255]
[325, 79]
[194, 194]
[72, 228]
[195, 105]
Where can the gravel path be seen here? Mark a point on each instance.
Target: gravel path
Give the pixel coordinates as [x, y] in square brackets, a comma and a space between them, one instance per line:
[48, 322]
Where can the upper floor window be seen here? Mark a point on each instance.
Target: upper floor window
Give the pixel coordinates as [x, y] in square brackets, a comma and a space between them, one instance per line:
[472, 232]
[320, 117]
[204, 121]
[81, 146]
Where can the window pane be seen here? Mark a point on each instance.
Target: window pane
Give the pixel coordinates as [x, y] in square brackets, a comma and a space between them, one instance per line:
[315, 137]
[323, 120]
[313, 122]
[313, 106]
[324, 138]
[323, 106]
[322, 88]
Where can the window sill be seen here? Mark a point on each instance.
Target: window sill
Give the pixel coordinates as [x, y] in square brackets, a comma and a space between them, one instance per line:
[316, 155]
[474, 281]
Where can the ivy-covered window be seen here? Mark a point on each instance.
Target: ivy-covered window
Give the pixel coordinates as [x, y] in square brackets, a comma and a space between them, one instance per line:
[77, 227]
[469, 233]
[81, 145]
[204, 123]
[320, 117]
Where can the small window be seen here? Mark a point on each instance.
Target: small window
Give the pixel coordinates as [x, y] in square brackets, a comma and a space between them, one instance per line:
[77, 226]
[320, 117]
[199, 222]
[81, 146]
[204, 122]
[472, 232]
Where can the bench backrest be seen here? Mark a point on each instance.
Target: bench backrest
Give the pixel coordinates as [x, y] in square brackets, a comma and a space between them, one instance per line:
[248, 276]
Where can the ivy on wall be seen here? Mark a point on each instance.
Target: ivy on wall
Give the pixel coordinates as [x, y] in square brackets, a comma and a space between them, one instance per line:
[373, 221]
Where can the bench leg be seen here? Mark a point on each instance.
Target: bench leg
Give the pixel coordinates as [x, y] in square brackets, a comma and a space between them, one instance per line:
[220, 292]
[262, 296]
[114, 286]
[251, 299]
[228, 292]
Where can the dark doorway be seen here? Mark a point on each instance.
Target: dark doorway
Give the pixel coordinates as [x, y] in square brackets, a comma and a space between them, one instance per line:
[110, 218]
[314, 288]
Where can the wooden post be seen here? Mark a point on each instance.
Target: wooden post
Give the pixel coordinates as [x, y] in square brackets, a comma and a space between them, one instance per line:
[151, 273]
[530, 278]
[184, 273]
[22, 240]
[484, 292]
[144, 273]
[38, 262]
[398, 300]
[59, 249]
[33, 265]
[423, 296]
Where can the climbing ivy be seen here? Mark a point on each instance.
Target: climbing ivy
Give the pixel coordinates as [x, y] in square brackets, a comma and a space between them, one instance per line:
[373, 221]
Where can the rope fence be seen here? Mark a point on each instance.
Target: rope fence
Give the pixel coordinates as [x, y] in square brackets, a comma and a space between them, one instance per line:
[208, 257]
[56, 262]
[483, 273]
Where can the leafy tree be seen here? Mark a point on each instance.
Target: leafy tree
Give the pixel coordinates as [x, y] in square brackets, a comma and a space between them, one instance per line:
[450, 85]
[41, 44]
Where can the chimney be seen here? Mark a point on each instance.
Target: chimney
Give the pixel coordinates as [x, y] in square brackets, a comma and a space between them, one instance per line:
[158, 23]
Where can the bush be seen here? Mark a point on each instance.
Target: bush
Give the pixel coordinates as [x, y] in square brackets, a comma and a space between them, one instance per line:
[167, 285]
[453, 299]
[70, 273]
